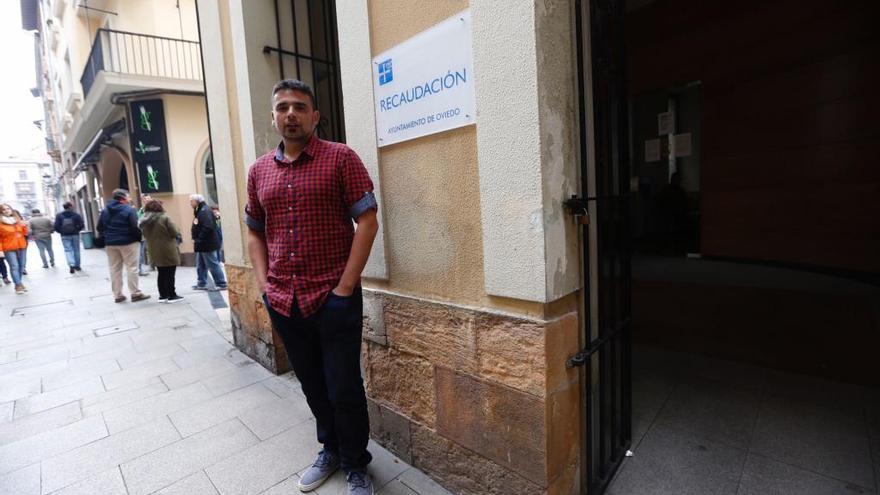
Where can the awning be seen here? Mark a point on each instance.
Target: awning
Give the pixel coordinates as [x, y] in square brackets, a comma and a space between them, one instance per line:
[92, 153]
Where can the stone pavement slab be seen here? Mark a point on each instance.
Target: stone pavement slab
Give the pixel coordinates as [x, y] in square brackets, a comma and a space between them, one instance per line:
[157, 406]
[25, 481]
[106, 483]
[145, 398]
[57, 397]
[215, 411]
[196, 483]
[257, 468]
[49, 443]
[105, 401]
[165, 466]
[107, 453]
[38, 423]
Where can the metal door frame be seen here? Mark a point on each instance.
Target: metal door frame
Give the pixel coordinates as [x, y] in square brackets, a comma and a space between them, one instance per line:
[604, 128]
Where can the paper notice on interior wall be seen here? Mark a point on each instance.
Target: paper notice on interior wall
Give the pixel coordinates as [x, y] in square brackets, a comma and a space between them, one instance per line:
[681, 143]
[665, 123]
[652, 150]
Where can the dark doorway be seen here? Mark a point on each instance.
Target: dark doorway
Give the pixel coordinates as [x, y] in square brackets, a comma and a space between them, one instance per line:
[755, 246]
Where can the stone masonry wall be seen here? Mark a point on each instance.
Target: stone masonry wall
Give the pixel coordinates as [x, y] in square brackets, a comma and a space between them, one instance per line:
[480, 401]
[251, 329]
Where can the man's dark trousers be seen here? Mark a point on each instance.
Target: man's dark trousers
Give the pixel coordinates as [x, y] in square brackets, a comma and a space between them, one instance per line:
[324, 350]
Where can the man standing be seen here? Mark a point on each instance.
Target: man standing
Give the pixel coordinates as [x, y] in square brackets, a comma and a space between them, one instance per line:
[69, 223]
[119, 225]
[307, 259]
[205, 243]
[41, 229]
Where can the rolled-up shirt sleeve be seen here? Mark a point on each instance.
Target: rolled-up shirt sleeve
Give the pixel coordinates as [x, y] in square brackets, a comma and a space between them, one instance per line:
[358, 187]
[254, 215]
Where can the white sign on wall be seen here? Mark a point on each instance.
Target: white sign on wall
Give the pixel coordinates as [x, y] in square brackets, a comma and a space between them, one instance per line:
[425, 85]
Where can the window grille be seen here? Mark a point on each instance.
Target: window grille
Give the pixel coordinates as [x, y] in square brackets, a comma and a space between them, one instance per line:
[308, 50]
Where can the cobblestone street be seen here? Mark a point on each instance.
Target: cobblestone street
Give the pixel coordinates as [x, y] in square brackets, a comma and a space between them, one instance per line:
[141, 398]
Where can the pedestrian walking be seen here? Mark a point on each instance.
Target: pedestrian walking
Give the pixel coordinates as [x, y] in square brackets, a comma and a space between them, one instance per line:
[22, 227]
[160, 234]
[4, 273]
[69, 223]
[13, 243]
[216, 211]
[118, 224]
[41, 229]
[142, 260]
[303, 198]
[205, 244]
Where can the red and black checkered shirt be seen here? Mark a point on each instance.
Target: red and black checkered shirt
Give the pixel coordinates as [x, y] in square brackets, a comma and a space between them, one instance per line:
[305, 209]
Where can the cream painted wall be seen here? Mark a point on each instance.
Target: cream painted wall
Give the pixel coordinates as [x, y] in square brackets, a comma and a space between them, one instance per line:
[356, 79]
[219, 88]
[430, 186]
[155, 17]
[187, 130]
[394, 21]
[432, 189]
[526, 122]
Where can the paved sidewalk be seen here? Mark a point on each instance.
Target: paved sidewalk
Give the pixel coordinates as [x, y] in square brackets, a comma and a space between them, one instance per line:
[141, 398]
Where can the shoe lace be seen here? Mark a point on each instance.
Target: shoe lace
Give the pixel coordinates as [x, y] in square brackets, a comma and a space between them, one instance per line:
[324, 459]
[357, 479]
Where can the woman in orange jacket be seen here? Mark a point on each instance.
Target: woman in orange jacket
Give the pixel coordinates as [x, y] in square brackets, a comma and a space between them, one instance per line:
[13, 242]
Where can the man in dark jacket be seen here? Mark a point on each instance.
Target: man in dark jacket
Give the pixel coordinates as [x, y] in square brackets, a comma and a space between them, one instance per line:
[119, 226]
[69, 223]
[205, 244]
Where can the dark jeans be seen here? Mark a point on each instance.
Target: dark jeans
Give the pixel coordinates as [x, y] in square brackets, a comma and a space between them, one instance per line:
[166, 281]
[45, 245]
[207, 262]
[325, 350]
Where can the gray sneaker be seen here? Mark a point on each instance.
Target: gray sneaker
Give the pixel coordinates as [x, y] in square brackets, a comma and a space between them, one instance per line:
[359, 483]
[325, 465]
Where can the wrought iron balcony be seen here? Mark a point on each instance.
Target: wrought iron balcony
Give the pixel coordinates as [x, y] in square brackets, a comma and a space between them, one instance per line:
[136, 54]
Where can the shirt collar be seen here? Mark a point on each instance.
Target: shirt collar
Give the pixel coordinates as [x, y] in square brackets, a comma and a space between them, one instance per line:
[309, 151]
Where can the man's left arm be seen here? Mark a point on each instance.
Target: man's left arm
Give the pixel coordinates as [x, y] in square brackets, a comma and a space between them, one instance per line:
[367, 226]
[359, 198]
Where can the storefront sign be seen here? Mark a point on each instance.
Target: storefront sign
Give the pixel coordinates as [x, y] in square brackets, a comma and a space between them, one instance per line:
[425, 85]
[150, 146]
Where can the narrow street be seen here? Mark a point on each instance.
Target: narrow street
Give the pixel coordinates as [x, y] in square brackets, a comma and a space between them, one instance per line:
[141, 398]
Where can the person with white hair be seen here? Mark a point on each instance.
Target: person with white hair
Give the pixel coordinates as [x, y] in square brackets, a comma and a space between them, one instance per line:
[205, 243]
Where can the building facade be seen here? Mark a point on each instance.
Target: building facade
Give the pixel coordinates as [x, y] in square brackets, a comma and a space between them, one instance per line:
[24, 185]
[630, 177]
[122, 82]
[473, 288]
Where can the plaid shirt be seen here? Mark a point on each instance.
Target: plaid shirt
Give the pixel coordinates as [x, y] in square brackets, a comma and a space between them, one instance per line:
[305, 209]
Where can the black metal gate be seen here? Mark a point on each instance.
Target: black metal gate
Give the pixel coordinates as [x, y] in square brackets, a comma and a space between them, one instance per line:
[605, 186]
[308, 49]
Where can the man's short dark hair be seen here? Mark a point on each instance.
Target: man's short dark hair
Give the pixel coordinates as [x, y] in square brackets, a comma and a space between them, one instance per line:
[294, 85]
[35, 211]
[67, 205]
[120, 194]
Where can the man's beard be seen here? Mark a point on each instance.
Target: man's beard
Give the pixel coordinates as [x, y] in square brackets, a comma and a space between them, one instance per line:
[299, 135]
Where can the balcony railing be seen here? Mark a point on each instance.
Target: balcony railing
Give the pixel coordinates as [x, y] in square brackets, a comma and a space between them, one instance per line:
[141, 54]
